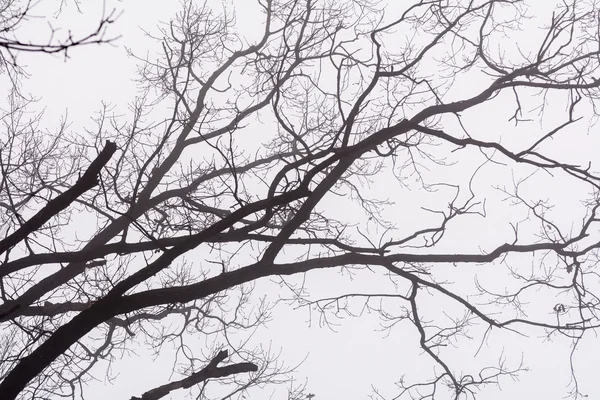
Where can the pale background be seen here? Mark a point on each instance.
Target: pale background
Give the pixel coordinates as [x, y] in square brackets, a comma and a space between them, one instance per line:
[338, 365]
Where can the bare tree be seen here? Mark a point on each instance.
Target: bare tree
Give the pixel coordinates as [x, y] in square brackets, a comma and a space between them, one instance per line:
[15, 16]
[331, 105]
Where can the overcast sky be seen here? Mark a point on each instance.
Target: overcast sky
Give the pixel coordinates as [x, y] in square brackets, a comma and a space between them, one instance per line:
[340, 365]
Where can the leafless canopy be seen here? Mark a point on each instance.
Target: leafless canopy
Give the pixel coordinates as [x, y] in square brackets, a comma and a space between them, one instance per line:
[14, 15]
[439, 147]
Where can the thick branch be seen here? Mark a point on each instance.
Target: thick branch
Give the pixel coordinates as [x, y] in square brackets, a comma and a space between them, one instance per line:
[162, 243]
[87, 181]
[105, 308]
[210, 371]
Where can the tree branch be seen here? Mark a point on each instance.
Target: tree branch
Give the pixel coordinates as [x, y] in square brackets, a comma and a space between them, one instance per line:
[87, 181]
[210, 371]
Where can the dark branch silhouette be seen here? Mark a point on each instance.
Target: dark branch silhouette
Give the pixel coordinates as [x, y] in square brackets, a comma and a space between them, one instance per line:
[394, 147]
[210, 371]
[87, 181]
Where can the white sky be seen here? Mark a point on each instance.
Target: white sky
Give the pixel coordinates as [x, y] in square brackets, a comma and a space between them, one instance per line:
[339, 365]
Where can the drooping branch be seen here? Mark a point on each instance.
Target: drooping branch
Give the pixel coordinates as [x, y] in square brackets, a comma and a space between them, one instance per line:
[95, 37]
